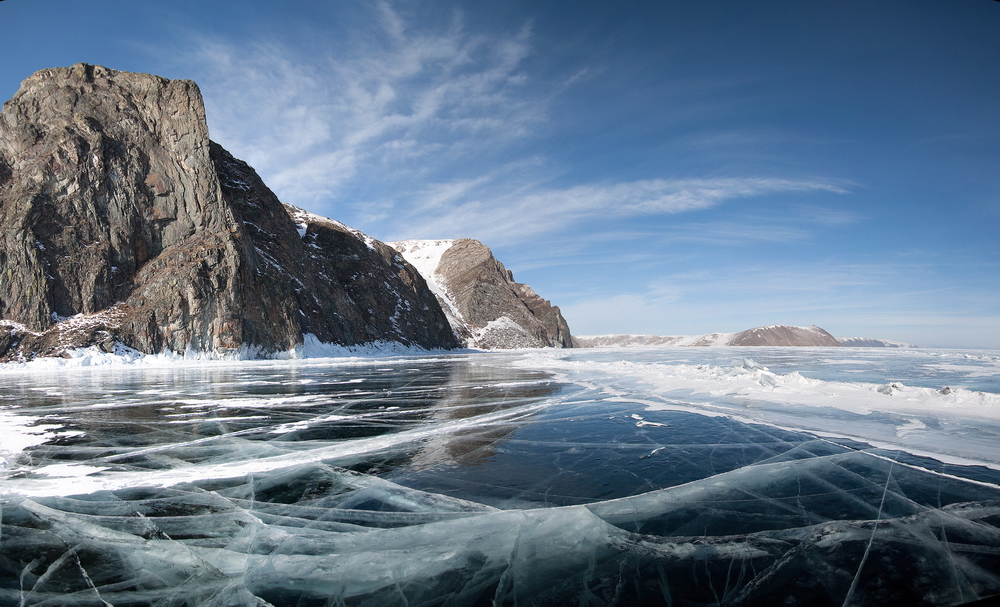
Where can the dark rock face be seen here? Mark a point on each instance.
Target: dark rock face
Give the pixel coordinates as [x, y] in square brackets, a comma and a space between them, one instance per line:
[784, 335]
[121, 221]
[363, 290]
[490, 310]
[548, 315]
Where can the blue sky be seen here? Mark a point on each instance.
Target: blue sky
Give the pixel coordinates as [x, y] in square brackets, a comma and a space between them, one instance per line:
[672, 167]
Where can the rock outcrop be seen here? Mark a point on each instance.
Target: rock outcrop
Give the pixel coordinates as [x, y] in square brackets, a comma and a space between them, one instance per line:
[121, 223]
[486, 307]
[774, 335]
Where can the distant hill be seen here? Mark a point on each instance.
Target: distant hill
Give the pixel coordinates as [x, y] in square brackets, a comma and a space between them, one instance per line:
[868, 342]
[773, 335]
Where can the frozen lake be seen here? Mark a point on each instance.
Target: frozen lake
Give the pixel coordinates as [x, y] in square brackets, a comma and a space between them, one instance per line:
[652, 476]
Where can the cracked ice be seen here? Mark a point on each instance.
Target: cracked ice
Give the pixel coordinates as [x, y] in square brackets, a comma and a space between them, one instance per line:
[539, 477]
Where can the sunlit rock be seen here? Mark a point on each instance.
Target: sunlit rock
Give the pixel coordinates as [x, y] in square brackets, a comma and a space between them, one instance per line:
[122, 223]
[485, 305]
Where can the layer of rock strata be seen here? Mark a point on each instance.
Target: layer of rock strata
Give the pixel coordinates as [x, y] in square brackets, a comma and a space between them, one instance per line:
[121, 223]
[486, 306]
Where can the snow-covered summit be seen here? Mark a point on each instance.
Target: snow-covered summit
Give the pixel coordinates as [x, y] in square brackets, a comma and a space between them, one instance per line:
[424, 255]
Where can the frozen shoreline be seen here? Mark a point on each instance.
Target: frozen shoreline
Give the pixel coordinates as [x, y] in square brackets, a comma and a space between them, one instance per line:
[124, 357]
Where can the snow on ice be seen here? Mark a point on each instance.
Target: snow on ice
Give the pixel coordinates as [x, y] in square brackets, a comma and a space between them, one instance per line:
[535, 477]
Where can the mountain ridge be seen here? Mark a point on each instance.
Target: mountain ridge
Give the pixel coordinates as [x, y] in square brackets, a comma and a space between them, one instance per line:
[122, 223]
[869, 342]
[771, 335]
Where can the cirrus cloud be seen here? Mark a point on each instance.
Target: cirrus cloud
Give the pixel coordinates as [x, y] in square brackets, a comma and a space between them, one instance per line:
[455, 209]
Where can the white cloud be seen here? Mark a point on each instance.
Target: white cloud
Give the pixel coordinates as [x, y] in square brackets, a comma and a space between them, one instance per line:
[522, 214]
[391, 104]
[358, 131]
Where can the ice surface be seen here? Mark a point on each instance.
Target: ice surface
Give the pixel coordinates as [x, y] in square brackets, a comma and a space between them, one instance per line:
[946, 421]
[527, 478]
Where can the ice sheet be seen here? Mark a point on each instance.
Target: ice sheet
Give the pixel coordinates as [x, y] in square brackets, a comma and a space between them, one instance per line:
[482, 478]
[949, 422]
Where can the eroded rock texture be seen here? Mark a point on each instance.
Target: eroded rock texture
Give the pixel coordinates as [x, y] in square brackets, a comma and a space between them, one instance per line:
[121, 222]
[488, 308]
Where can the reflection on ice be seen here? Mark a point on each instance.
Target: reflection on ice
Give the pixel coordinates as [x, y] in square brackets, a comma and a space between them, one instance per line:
[464, 480]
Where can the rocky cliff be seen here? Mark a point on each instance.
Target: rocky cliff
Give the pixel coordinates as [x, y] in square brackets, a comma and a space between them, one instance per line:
[120, 222]
[485, 305]
[774, 335]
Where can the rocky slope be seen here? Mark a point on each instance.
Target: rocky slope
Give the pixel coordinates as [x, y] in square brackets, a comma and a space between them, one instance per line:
[784, 335]
[774, 335]
[121, 223]
[485, 306]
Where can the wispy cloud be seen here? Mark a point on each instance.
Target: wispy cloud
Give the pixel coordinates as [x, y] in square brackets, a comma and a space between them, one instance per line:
[400, 101]
[413, 130]
[519, 214]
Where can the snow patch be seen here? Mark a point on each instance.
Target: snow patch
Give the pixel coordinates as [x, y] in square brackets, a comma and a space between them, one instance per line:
[303, 218]
[425, 256]
[19, 432]
[503, 333]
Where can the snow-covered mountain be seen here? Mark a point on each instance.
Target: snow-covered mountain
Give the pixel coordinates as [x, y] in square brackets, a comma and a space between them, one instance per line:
[868, 342]
[784, 335]
[628, 340]
[773, 335]
[483, 303]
